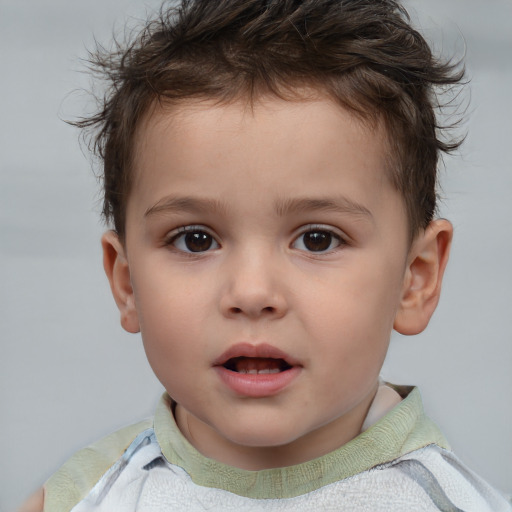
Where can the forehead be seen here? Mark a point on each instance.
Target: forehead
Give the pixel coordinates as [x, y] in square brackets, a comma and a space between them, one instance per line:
[202, 124]
[278, 147]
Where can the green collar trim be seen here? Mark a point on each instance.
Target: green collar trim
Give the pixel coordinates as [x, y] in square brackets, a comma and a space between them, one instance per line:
[404, 429]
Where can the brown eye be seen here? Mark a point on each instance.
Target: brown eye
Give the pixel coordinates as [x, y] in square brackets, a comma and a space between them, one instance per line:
[317, 240]
[198, 242]
[194, 241]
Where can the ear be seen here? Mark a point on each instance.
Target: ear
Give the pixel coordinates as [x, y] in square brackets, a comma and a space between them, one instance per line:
[117, 269]
[423, 277]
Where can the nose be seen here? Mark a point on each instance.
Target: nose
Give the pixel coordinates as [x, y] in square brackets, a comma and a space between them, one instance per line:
[254, 288]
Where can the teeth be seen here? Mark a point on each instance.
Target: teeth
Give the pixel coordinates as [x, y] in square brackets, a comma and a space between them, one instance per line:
[259, 372]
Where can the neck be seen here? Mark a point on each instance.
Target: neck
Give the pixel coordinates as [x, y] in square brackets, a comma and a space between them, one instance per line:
[314, 444]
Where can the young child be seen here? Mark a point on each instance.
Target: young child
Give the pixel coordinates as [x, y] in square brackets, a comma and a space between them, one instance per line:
[270, 172]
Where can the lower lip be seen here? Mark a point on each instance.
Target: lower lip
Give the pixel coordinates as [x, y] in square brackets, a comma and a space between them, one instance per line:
[257, 385]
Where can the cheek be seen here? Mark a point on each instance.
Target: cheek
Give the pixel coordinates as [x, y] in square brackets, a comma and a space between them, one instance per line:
[172, 313]
[360, 295]
[351, 315]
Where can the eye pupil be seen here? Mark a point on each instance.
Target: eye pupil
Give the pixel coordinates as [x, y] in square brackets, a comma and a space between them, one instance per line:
[198, 241]
[317, 240]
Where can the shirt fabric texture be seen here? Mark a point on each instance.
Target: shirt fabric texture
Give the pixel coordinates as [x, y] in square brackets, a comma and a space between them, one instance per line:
[400, 463]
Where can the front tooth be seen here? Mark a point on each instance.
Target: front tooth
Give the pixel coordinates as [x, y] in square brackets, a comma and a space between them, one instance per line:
[253, 371]
[269, 370]
[243, 371]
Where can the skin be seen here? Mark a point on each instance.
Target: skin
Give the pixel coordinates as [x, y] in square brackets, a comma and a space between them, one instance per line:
[256, 186]
[254, 183]
[34, 503]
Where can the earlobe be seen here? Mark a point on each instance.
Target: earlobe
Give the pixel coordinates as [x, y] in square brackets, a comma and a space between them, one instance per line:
[117, 270]
[423, 277]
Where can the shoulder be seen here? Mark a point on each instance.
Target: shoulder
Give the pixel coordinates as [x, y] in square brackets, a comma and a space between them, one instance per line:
[83, 470]
[35, 503]
[438, 473]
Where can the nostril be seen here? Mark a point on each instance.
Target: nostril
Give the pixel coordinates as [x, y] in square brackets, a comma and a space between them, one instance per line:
[265, 310]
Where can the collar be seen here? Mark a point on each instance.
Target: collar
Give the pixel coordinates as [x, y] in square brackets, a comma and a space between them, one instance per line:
[403, 429]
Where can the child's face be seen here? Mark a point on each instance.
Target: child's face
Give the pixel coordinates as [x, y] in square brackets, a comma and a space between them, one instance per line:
[271, 240]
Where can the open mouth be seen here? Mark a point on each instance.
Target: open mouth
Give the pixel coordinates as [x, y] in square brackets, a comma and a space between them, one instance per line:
[256, 365]
[257, 371]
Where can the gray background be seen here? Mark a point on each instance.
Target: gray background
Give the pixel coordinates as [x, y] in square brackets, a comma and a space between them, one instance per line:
[69, 374]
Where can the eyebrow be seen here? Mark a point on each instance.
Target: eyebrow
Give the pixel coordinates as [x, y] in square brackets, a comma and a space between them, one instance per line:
[338, 204]
[172, 204]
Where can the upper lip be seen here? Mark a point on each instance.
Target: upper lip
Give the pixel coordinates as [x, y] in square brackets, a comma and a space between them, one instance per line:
[261, 350]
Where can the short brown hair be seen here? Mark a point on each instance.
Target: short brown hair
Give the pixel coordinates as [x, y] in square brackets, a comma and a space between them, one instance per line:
[362, 53]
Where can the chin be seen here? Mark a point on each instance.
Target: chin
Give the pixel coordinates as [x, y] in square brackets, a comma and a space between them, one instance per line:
[262, 436]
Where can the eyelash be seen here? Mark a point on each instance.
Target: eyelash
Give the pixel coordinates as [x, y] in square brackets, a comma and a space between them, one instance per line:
[182, 232]
[211, 243]
[319, 228]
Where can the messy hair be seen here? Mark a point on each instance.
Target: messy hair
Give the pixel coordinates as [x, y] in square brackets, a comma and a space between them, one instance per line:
[363, 54]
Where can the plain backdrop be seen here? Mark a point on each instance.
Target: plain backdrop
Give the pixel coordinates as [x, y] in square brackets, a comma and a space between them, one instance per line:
[69, 374]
